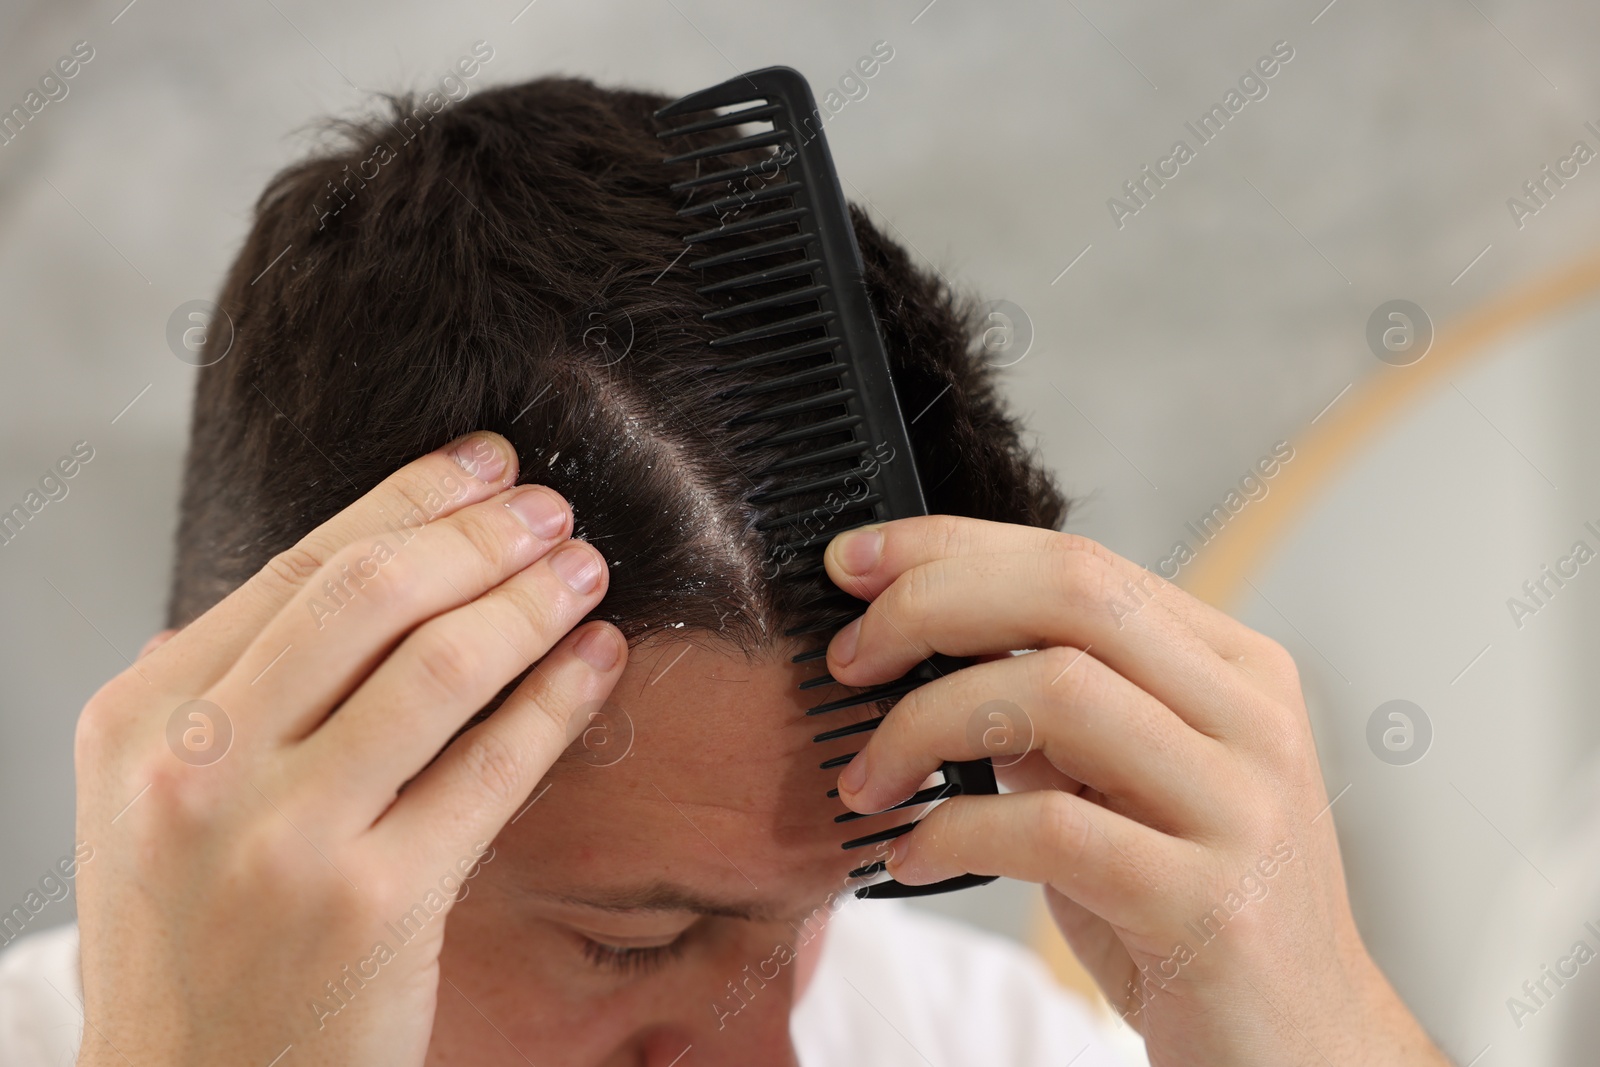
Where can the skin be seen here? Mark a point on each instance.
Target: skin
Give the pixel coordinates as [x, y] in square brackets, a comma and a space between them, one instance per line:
[731, 807]
[1157, 768]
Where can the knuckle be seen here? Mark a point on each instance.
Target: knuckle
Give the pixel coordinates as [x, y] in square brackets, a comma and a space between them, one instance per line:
[1281, 725]
[384, 891]
[947, 536]
[915, 592]
[94, 738]
[494, 765]
[1063, 674]
[90, 745]
[1277, 746]
[1056, 665]
[1280, 663]
[1077, 544]
[446, 664]
[1287, 738]
[294, 567]
[418, 502]
[1062, 827]
[485, 537]
[392, 589]
[539, 613]
[1074, 575]
[353, 573]
[185, 801]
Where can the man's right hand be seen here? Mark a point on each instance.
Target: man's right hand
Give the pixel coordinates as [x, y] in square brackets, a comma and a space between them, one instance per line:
[258, 879]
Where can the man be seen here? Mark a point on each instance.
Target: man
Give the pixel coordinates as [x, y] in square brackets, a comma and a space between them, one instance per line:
[497, 755]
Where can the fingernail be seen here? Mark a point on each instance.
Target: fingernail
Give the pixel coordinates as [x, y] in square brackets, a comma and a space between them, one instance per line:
[578, 566]
[598, 648]
[843, 647]
[854, 775]
[481, 456]
[540, 511]
[858, 551]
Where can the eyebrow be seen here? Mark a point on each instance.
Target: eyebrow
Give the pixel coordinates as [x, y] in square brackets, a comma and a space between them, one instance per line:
[665, 896]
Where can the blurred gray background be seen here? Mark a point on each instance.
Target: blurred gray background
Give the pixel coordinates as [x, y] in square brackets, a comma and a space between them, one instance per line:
[1167, 356]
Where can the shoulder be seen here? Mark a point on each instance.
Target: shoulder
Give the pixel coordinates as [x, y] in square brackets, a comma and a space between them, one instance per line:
[897, 984]
[40, 1022]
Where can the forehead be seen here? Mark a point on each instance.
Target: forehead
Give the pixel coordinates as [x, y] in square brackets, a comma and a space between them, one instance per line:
[700, 773]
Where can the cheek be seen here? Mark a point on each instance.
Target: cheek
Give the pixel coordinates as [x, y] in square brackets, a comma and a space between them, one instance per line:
[528, 980]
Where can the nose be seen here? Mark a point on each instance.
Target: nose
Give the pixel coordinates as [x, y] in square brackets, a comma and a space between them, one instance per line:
[757, 1036]
[743, 1021]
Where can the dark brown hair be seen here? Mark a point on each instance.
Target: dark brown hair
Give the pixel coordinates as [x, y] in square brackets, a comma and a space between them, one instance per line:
[511, 263]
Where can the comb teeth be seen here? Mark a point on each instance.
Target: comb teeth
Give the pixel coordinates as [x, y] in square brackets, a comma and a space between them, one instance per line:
[766, 248]
[891, 889]
[815, 429]
[862, 727]
[792, 296]
[882, 835]
[891, 691]
[779, 411]
[815, 541]
[854, 448]
[732, 118]
[740, 201]
[832, 481]
[778, 522]
[745, 170]
[775, 329]
[805, 266]
[759, 222]
[743, 144]
[825, 372]
[783, 252]
[917, 799]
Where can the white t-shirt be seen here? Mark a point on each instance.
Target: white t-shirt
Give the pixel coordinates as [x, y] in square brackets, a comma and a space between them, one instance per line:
[894, 986]
[901, 987]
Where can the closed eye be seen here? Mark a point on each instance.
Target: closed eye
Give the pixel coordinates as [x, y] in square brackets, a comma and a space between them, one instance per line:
[631, 960]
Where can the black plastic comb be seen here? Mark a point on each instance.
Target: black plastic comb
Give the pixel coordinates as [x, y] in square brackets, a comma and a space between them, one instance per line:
[778, 241]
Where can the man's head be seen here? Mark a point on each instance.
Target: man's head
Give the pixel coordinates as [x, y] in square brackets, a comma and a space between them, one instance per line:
[511, 262]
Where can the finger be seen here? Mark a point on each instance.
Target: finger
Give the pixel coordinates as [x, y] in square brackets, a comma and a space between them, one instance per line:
[1033, 771]
[1090, 722]
[336, 630]
[486, 775]
[867, 560]
[156, 642]
[462, 473]
[1096, 945]
[440, 676]
[973, 605]
[1120, 870]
